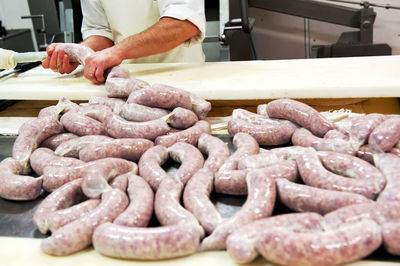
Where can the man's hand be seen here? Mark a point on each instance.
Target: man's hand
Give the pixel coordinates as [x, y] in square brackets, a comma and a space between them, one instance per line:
[96, 64]
[58, 61]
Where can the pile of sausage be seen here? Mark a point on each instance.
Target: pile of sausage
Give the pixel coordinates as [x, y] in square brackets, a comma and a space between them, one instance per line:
[102, 163]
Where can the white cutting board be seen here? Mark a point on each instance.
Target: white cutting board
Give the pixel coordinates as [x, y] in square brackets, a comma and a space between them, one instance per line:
[298, 78]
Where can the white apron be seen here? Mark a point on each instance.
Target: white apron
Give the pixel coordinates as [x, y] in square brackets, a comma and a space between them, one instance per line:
[129, 17]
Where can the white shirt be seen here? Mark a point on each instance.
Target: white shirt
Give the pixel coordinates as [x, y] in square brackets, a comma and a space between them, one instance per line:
[118, 19]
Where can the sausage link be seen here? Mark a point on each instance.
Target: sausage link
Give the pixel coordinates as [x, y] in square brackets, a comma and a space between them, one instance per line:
[58, 219]
[301, 114]
[385, 135]
[241, 243]
[347, 165]
[71, 148]
[389, 164]
[189, 157]
[217, 151]
[348, 243]
[76, 52]
[14, 186]
[118, 127]
[141, 113]
[122, 87]
[82, 125]
[77, 235]
[262, 110]
[95, 179]
[150, 165]
[140, 208]
[259, 204]
[336, 134]
[95, 111]
[189, 135]
[151, 243]
[314, 174]
[43, 157]
[251, 117]
[129, 149]
[380, 212]
[116, 72]
[196, 198]
[31, 134]
[266, 134]
[114, 103]
[234, 182]
[302, 198]
[182, 118]
[161, 97]
[365, 153]
[273, 156]
[361, 128]
[391, 240]
[54, 141]
[199, 106]
[303, 137]
[120, 182]
[63, 197]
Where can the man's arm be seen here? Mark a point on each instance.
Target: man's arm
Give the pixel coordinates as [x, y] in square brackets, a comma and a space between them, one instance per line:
[163, 36]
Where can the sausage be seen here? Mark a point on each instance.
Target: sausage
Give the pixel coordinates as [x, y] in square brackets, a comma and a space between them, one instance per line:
[262, 110]
[14, 186]
[120, 182]
[199, 106]
[122, 87]
[30, 134]
[95, 111]
[189, 135]
[82, 125]
[217, 151]
[348, 243]
[389, 164]
[266, 134]
[380, 212]
[58, 219]
[77, 235]
[385, 135]
[54, 177]
[314, 174]
[234, 182]
[96, 177]
[150, 165]
[71, 148]
[303, 137]
[140, 209]
[336, 134]
[302, 198]
[347, 165]
[259, 204]
[251, 117]
[114, 103]
[273, 156]
[54, 141]
[196, 199]
[76, 52]
[161, 97]
[301, 114]
[391, 234]
[182, 118]
[151, 243]
[189, 157]
[141, 113]
[129, 149]
[63, 197]
[365, 153]
[245, 145]
[361, 128]
[241, 243]
[118, 127]
[43, 157]
[179, 236]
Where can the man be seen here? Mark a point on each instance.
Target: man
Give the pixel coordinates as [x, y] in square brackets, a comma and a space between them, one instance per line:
[144, 31]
